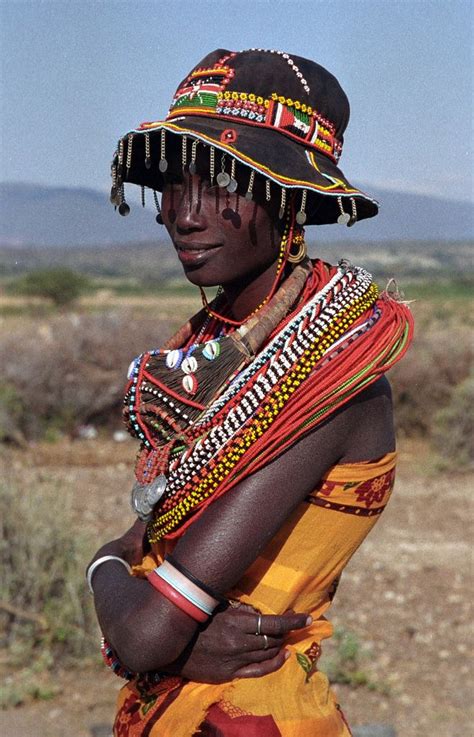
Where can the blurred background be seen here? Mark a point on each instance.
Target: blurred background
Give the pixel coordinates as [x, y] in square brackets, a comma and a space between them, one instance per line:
[83, 291]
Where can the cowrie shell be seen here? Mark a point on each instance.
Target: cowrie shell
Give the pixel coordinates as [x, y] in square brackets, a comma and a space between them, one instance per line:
[211, 350]
[189, 365]
[174, 358]
[190, 384]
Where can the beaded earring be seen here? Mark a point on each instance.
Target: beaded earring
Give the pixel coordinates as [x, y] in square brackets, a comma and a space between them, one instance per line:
[249, 192]
[158, 217]
[147, 151]
[124, 207]
[344, 217]
[353, 218]
[128, 163]
[301, 214]
[184, 151]
[212, 164]
[268, 192]
[120, 154]
[114, 187]
[192, 165]
[163, 164]
[223, 179]
[232, 186]
[281, 213]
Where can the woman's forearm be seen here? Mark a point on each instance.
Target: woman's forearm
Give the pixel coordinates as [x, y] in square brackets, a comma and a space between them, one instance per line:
[144, 628]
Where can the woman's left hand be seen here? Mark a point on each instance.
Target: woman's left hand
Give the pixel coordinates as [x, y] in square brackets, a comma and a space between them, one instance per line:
[131, 546]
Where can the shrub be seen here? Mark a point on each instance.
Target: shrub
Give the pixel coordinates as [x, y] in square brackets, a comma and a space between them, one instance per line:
[46, 612]
[71, 370]
[61, 285]
[347, 662]
[423, 383]
[454, 427]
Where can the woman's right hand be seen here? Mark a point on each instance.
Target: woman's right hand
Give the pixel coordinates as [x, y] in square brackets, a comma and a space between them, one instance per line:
[228, 647]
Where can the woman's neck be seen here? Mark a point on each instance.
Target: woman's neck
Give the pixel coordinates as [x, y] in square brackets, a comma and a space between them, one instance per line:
[246, 295]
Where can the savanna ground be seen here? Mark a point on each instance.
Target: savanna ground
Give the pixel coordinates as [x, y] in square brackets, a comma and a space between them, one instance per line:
[402, 612]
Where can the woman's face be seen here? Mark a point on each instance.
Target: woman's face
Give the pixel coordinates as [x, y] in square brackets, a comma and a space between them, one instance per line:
[220, 238]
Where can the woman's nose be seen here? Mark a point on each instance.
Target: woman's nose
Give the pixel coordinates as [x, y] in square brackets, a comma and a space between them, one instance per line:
[189, 215]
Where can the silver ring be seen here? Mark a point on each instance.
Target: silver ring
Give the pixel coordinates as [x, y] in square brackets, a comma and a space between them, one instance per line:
[259, 625]
[265, 639]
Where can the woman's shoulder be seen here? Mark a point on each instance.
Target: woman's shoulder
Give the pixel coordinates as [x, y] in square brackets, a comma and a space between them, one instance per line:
[366, 423]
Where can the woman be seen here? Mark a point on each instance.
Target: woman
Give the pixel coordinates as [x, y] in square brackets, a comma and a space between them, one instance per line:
[267, 445]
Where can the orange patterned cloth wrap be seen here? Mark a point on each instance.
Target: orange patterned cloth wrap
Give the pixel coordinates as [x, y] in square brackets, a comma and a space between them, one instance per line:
[299, 569]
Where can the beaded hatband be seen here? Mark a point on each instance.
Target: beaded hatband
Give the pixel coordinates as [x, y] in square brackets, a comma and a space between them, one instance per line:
[341, 340]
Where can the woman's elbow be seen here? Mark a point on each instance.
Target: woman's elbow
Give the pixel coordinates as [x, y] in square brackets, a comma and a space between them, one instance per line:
[143, 648]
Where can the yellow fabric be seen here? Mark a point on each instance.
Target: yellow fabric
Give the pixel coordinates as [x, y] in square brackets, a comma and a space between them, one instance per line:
[299, 570]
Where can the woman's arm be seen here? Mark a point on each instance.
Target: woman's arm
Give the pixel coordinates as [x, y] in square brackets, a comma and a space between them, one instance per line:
[147, 631]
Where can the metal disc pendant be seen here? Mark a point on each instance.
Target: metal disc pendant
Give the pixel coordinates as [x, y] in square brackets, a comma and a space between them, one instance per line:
[113, 195]
[248, 196]
[232, 186]
[343, 218]
[351, 222]
[192, 168]
[223, 179]
[301, 217]
[146, 496]
[124, 209]
[162, 165]
[281, 213]
[147, 163]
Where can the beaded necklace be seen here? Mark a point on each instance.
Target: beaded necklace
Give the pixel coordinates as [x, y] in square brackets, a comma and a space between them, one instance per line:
[339, 340]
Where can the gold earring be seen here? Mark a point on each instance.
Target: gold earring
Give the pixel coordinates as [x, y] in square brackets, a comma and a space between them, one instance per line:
[301, 253]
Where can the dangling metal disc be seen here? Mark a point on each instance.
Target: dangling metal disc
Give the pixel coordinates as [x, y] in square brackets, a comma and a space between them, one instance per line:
[163, 165]
[351, 222]
[343, 218]
[113, 195]
[232, 186]
[223, 179]
[147, 163]
[124, 209]
[192, 168]
[248, 196]
[301, 217]
[281, 213]
[146, 496]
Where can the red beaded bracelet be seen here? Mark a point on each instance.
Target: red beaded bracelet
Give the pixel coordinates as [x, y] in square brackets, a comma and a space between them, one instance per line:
[176, 598]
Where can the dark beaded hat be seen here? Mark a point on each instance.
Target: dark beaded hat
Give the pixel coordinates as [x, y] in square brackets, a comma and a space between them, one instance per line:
[262, 122]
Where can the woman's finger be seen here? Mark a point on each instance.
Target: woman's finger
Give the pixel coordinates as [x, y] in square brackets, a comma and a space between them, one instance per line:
[255, 643]
[274, 625]
[259, 656]
[256, 670]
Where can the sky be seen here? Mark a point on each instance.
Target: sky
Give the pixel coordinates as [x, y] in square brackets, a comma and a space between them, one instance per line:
[77, 75]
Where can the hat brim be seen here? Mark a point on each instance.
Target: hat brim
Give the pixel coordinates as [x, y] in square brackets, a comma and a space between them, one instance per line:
[286, 162]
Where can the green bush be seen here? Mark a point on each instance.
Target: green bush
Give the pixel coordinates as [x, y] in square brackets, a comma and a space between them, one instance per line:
[11, 414]
[61, 285]
[347, 664]
[454, 427]
[46, 613]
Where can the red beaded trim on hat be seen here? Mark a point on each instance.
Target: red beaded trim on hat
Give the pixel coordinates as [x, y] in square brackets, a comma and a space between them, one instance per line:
[290, 117]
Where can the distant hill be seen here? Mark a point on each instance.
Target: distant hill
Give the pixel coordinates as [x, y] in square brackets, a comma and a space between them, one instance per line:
[66, 217]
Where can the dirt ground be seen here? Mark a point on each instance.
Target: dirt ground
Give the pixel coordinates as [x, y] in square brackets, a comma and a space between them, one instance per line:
[405, 594]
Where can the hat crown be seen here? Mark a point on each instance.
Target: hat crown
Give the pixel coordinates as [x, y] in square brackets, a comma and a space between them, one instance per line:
[267, 72]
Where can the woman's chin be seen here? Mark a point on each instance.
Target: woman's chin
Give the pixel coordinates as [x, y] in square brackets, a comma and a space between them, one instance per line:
[199, 276]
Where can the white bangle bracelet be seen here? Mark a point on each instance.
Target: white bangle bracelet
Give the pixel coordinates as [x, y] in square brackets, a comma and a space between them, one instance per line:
[93, 567]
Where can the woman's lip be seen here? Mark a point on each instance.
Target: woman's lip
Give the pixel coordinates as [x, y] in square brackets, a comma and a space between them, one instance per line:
[194, 253]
